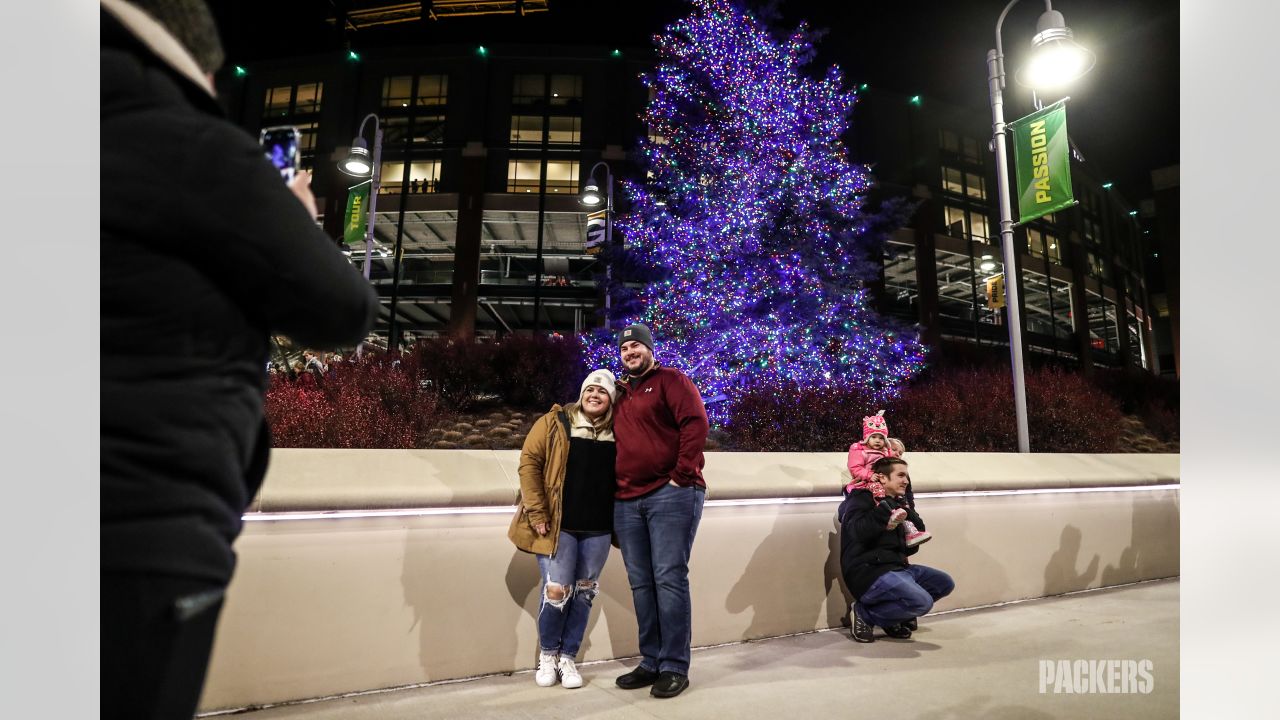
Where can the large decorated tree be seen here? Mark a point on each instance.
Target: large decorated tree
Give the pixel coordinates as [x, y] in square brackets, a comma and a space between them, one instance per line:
[751, 222]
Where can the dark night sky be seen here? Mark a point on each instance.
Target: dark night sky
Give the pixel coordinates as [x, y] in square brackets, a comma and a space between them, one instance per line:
[1123, 115]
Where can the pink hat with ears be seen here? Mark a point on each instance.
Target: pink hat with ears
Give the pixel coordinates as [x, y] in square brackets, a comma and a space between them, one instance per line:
[873, 424]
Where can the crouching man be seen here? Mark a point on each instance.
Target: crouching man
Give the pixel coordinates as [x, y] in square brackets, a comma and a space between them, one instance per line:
[891, 592]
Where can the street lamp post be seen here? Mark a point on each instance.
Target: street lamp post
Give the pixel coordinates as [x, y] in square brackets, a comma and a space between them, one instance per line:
[358, 164]
[591, 198]
[1058, 60]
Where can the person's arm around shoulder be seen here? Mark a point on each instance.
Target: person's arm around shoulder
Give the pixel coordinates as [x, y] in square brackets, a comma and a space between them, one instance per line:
[261, 236]
[533, 462]
[691, 418]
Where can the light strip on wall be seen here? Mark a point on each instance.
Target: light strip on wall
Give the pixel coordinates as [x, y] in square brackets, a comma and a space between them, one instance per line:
[508, 509]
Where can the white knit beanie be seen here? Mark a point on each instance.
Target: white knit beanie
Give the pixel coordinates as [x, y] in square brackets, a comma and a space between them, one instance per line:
[604, 379]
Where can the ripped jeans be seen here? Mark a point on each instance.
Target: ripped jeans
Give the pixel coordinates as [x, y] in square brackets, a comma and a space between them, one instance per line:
[576, 568]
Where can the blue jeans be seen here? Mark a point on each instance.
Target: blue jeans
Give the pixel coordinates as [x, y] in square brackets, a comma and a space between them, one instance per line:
[656, 533]
[901, 595]
[575, 567]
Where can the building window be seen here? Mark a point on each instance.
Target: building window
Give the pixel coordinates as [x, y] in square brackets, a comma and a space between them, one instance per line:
[397, 91]
[566, 89]
[424, 176]
[972, 184]
[967, 224]
[1044, 244]
[975, 186]
[288, 100]
[972, 150]
[307, 98]
[902, 292]
[278, 101]
[528, 89]
[523, 176]
[949, 141]
[433, 90]
[952, 180]
[527, 130]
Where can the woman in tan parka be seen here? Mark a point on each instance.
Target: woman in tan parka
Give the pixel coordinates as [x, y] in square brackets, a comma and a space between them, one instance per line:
[565, 518]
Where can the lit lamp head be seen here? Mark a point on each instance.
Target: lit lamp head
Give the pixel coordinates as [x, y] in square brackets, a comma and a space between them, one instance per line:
[1056, 58]
[358, 162]
[987, 264]
[591, 194]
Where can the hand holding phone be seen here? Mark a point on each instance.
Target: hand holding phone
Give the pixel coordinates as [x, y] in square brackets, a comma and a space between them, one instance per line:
[283, 147]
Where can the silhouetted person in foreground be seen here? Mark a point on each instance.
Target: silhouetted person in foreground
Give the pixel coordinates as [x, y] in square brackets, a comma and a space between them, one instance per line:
[205, 252]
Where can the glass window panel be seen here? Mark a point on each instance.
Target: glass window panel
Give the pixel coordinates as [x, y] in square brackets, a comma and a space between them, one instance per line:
[433, 89]
[1054, 247]
[522, 175]
[902, 291]
[1036, 299]
[526, 130]
[562, 175]
[975, 186]
[953, 219]
[1063, 319]
[955, 286]
[424, 176]
[528, 88]
[1035, 242]
[971, 150]
[952, 180]
[308, 97]
[949, 141]
[397, 91]
[308, 131]
[979, 224]
[278, 101]
[564, 130]
[565, 89]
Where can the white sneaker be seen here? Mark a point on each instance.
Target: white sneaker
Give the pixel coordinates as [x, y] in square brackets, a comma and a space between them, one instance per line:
[569, 675]
[546, 674]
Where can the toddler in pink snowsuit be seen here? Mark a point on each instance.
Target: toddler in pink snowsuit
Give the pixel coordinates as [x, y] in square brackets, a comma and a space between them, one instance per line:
[877, 444]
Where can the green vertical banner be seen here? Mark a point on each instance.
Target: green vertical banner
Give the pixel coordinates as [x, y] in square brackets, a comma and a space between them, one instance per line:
[354, 227]
[1042, 156]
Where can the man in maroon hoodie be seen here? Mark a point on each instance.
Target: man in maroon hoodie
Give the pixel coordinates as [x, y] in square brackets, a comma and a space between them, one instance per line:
[661, 427]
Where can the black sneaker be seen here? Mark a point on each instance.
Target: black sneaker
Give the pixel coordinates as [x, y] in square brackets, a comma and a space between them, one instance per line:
[911, 625]
[636, 679]
[899, 631]
[669, 684]
[863, 632]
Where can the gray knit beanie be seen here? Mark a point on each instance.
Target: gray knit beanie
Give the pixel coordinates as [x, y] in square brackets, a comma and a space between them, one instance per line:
[191, 22]
[639, 333]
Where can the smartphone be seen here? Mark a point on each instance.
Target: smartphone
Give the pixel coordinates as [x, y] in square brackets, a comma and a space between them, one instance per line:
[282, 145]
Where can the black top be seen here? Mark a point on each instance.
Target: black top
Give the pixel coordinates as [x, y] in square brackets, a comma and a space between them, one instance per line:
[867, 549]
[589, 485]
[205, 252]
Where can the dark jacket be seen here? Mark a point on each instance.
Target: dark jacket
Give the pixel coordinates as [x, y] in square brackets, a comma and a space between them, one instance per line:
[661, 426]
[867, 550]
[205, 251]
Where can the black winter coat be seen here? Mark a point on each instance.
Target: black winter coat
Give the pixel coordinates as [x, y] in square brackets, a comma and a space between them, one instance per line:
[205, 251]
[867, 550]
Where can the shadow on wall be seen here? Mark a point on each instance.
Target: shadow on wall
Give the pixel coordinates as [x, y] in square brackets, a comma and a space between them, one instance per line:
[838, 596]
[980, 577]
[1060, 574]
[1147, 556]
[790, 556]
[524, 584]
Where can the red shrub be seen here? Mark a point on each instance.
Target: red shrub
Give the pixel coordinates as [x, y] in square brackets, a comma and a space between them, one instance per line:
[371, 403]
[949, 410]
[534, 371]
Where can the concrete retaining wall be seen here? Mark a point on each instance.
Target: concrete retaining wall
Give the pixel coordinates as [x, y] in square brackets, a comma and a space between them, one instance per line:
[327, 601]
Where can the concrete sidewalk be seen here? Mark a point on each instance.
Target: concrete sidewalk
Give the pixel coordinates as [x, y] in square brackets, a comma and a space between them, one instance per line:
[968, 664]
